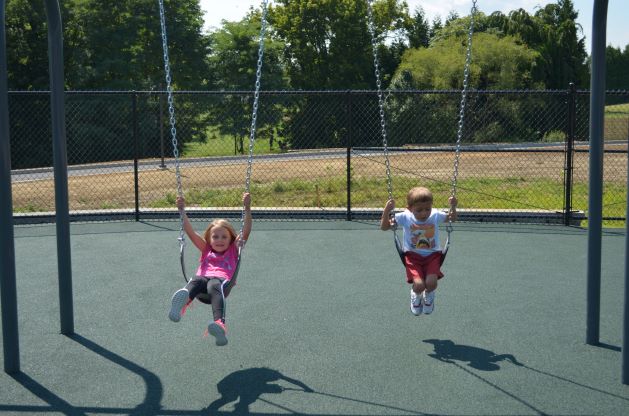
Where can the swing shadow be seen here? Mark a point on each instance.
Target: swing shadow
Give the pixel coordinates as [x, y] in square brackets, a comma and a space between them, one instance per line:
[485, 360]
[477, 358]
[55, 404]
[247, 386]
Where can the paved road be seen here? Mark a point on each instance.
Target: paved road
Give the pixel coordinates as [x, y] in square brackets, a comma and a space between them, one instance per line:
[24, 175]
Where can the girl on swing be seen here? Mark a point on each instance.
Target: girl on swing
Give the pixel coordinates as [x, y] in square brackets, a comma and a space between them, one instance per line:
[217, 264]
[422, 257]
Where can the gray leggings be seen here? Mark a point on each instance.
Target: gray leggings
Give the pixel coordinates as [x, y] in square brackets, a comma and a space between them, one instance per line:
[216, 288]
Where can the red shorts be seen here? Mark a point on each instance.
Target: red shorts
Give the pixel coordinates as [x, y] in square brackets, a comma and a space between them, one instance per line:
[418, 266]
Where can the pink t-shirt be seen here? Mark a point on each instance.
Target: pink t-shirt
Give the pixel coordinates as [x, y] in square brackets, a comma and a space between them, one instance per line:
[222, 265]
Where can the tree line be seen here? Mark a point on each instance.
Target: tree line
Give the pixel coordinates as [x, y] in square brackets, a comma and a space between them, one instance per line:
[322, 45]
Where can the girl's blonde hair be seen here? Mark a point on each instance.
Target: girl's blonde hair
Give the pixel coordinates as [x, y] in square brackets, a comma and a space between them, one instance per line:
[418, 194]
[220, 223]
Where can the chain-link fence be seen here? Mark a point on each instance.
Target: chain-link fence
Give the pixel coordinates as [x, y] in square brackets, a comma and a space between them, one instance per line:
[524, 154]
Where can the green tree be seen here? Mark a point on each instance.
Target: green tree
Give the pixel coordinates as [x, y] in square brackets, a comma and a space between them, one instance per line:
[435, 28]
[552, 31]
[328, 47]
[563, 58]
[27, 45]
[419, 32]
[498, 62]
[125, 44]
[328, 44]
[617, 62]
[234, 56]
[234, 64]
[107, 45]
[27, 67]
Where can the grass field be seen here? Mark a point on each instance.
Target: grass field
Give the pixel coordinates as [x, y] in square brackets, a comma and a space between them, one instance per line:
[489, 194]
[617, 122]
[617, 111]
[221, 145]
[531, 181]
[519, 181]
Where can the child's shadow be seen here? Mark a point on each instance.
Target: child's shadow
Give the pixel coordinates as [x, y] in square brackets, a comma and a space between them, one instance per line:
[247, 386]
[478, 358]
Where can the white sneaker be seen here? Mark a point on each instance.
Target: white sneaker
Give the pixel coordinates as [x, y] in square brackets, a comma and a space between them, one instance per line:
[416, 304]
[429, 301]
[178, 304]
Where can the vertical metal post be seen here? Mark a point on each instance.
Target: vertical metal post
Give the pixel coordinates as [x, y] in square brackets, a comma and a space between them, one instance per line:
[349, 154]
[595, 199]
[569, 157]
[136, 146]
[57, 101]
[8, 290]
[625, 331]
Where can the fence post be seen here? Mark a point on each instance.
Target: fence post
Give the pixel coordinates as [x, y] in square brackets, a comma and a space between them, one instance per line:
[569, 159]
[136, 185]
[625, 327]
[348, 99]
[161, 128]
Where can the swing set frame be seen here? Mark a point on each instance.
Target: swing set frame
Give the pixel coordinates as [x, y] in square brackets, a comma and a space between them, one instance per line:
[8, 286]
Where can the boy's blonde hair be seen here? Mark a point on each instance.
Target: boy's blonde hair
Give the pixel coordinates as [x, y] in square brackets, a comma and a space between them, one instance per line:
[220, 223]
[418, 194]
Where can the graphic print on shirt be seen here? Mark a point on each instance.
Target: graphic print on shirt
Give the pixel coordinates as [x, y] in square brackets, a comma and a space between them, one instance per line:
[423, 236]
[221, 262]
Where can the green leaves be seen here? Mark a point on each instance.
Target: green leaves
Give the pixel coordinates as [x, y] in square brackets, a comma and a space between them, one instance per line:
[108, 44]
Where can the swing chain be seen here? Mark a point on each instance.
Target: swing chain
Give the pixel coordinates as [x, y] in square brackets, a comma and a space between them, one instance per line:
[461, 124]
[171, 114]
[256, 100]
[466, 76]
[172, 119]
[381, 98]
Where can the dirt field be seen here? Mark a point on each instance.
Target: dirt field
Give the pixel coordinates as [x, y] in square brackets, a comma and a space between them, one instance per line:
[116, 190]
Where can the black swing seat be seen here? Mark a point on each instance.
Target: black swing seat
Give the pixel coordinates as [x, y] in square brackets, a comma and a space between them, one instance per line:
[205, 297]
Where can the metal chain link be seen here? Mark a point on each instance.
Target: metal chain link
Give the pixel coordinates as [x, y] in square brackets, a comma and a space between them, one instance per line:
[459, 134]
[466, 76]
[171, 110]
[171, 113]
[461, 123]
[381, 99]
[256, 99]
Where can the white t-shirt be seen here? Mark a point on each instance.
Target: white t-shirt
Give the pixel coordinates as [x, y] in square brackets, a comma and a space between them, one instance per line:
[421, 237]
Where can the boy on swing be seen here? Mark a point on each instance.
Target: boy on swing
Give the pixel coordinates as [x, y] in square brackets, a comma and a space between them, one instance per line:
[422, 248]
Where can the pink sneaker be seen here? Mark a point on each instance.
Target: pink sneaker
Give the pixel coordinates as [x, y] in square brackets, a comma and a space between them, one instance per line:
[219, 331]
[178, 305]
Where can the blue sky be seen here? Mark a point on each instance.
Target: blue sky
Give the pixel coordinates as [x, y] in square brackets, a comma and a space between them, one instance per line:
[617, 15]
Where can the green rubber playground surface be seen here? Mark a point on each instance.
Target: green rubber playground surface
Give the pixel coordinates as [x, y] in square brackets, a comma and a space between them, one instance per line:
[319, 324]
